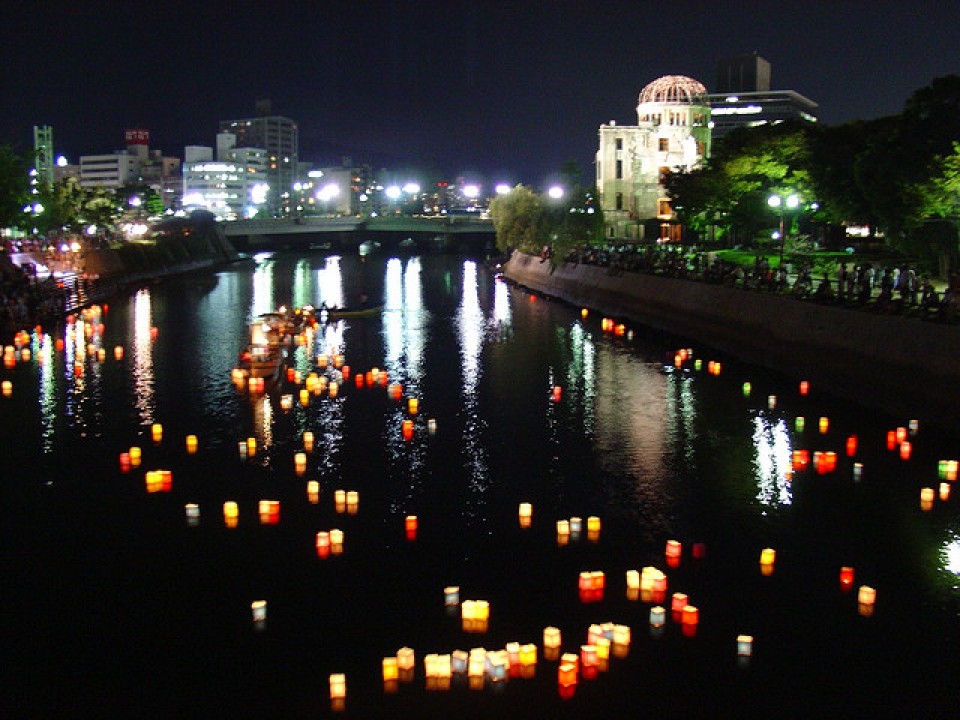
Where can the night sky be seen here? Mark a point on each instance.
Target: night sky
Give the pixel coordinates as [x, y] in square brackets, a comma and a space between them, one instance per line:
[506, 90]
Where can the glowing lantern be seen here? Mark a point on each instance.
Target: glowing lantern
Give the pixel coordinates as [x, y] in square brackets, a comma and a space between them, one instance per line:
[563, 528]
[336, 541]
[358, 380]
[846, 578]
[125, 462]
[118, 352]
[824, 425]
[451, 595]
[391, 671]
[308, 441]
[557, 393]
[678, 602]
[269, 512]
[407, 429]
[458, 661]
[242, 449]
[633, 580]
[353, 502]
[526, 514]
[193, 513]
[323, 544]
[156, 431]
[313, 492]
[891, 439]
[192, 443]
[406, 658]
[304, 397]
[432, 426]
[857, 471]
[135, 456]
[804, 387]
[744, 645]
[584, 312]
[901, 434]
[413, 405]
[913, 426]
[944, 491]
[576, 525]
[771, 402]
[658, 616]
[567, 674]
[7, 388]
[800, 459]
[906, 449]
[593, 524]
[410, 525]
[588, 656]
[746, 389]
[231, 513]
[951, 472]
[851, 446]
[768, 556]
[621, 634]
[926, 498]
[300, 463]
[800, 423]
[258, 608]
[699, 551]
[674, 549]
[866, 600]
[396, 391]
[690, 619]
[251, 446]
[338, 686]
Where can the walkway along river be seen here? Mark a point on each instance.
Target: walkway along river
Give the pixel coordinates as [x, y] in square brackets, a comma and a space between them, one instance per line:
[892, 363]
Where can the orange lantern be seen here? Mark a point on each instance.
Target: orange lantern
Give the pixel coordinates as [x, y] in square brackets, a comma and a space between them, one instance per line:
[846, 578]
[851, 446]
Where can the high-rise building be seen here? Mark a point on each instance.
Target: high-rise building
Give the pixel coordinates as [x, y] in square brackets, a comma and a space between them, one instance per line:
[280, 137]
[672, 133]
[42, 156]
[743, 97]
[233, 186]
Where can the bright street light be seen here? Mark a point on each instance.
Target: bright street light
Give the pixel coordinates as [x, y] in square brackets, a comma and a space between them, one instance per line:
[555, 192]
[502, 189]
[392, 192]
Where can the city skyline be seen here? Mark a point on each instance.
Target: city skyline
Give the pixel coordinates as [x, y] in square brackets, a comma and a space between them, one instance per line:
[495, 90]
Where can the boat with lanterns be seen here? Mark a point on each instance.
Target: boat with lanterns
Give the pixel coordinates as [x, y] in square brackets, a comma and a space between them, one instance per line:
[263, 355]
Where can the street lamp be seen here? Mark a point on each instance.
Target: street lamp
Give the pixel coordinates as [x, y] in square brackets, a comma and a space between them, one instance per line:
[782, 205]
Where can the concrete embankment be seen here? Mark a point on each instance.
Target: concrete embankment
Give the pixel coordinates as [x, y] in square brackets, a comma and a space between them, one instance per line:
[904, 366]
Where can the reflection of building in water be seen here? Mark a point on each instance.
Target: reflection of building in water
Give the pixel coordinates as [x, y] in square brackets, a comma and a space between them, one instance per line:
[143, 380]
[47, 394]
[672, 133]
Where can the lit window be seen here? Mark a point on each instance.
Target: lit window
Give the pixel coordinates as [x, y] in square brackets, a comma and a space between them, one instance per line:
[664, 144]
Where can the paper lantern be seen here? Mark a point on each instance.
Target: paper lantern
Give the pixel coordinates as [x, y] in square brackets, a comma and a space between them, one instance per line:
[658, 616]
[567, 674]
[557, 393]
[391, 670]
[846, 578]
[944, 491]
[674, 549]
[395, 391]
[300, 463]
[359, 380]
[156, 431]
[857, 471]
[231, 513]
[432, 426]
[459, 660]
[913, 426]
[678, 602]
[125, 462]
[771, 402]
[621, 634]
[338, 686]
[744, 645]
[251, 446]
[136, 455]
[410, 526]
[551, 637]
[851, 446]
[323, 544]
[768, 556]
[353, 502]
[926, 498]
[476, 663]
[526, 514]
[633, 580]
[576, 525]
[118, 352]
[906, 449]
[593, 524]
[406, 658]
[804, 387]
[269, 511]
[747, 389]
[691, 615]
[951, 470]
[800, 423]
[7, 388]
[588, 656]
[563, 527]
[451, 595]
[413, 406]
[866, 600]
[824, 425]
[407, 429]
[258, 609]
[308, 440]
[901, 434]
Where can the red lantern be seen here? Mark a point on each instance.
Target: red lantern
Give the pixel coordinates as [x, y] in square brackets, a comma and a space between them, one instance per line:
[851, 446]
[846, 578]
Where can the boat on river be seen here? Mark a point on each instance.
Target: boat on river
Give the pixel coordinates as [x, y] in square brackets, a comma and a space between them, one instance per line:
[263, 355]
[337, 313]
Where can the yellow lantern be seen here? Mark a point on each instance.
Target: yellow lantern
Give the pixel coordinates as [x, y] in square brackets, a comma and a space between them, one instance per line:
[551, 637]
[7, 388]
[192, 443]
[308, 441]
[406, 658]
[251, 446]
[156, 432]
[338, 686]
[526, 514]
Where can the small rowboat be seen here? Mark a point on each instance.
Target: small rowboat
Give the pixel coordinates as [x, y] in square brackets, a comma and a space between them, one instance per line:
[337, 313]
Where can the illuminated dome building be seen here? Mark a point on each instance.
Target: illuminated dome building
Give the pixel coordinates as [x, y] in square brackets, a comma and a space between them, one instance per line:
[672, 133]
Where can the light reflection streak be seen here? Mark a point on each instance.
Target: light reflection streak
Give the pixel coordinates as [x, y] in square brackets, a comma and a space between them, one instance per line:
[950, 559]
[581, 375]
[502, 313]
[47, 395]
[302, 293]
[772, 465]
[470, 326]
[330, 284]
[404, 339]
[263, 428]
[263, 301]
[142, 366]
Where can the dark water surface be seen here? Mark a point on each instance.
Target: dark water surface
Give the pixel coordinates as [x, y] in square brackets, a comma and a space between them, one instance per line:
[115, 606]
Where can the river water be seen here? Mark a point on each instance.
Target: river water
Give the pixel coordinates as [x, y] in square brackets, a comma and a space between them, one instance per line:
[117, 605]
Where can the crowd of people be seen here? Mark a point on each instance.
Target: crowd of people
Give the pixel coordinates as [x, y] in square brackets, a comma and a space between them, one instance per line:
[894, 288]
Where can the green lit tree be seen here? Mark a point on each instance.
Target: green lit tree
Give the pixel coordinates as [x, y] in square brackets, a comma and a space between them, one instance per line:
[518, 220]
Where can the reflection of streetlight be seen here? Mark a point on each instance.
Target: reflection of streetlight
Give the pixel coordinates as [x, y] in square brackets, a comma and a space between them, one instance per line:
[781, 205]
[555, 192]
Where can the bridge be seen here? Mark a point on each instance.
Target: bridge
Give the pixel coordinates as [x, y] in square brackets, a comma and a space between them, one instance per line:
[436, 233]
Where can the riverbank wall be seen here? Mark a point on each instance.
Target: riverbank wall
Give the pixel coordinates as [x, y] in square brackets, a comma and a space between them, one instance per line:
[899, 365]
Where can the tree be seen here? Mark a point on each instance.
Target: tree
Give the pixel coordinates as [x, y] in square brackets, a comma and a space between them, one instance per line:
[517, 219]
[14, 187]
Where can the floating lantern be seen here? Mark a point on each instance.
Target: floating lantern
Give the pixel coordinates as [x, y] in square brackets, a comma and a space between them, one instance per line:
[322, 361]
[658, 616]
[395, 391]
[593, 524]
[7, 388]
[451, 595]
[407, 429]
[231, 513]
[824, 425]
[359, 380]
[744, 645]
[800, 459]
[251, 446]
[804, 387]
[851, 446]
[906, 449]
[406, 659]
[588, 656]
[951, 470]
[690, 619]
[193, 513]
[857, 471]
[771, 402]
[846, 578]
[866, 600]
[413, 405]
[432, 426]
[576, 525]
[192, 443]
[913, 426]
[410, 525]
[621, 634]
[926, 498]
[300, 463]
[584, 312]
[678, 602]
[633, 580]
[747, 387]
[258, 609]
[125, 462]
[901, 434]
[526, 514]
[269, 511]
[563, 529]
[944, 491]
[891, 439]
[557, 393]
[800, 423]
[242, 449]
[767, 558]
[567, 674]
[323, 544]
[353, 501]
[338, 686]
[336, 541]
[304, 397]
[391, 670]
[674, 549]
[156, 432]
[527, 655]
[118, 352]
[699, 551]
[308, 441]
[459, 660]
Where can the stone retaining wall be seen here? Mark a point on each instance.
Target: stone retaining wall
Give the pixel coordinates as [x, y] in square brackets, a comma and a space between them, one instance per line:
[903, 366]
